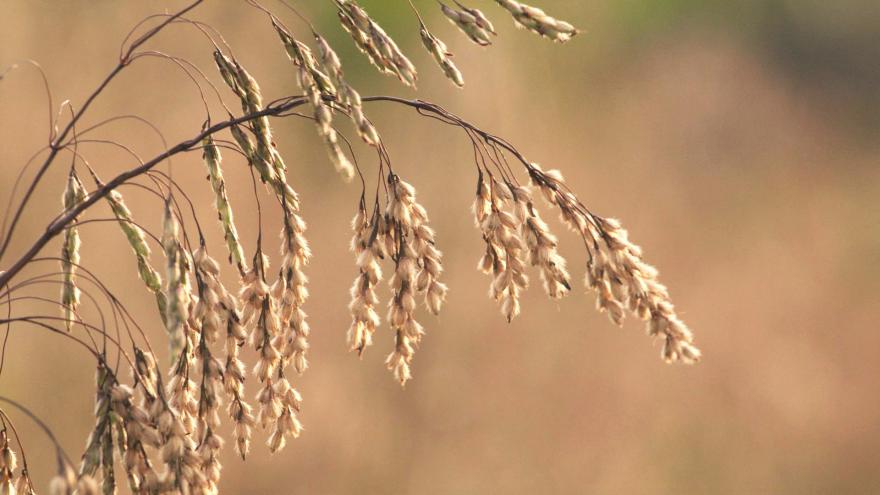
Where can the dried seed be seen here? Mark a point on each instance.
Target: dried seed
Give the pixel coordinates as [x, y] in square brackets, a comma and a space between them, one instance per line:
[74, 194]
[441, 56]
[537, 21]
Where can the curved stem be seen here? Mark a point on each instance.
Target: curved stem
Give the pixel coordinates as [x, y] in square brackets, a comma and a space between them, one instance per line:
[279, 107]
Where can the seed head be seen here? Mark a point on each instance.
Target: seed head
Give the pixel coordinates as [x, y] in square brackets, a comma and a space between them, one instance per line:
[442, 56]
[537, 21]
[471, 22]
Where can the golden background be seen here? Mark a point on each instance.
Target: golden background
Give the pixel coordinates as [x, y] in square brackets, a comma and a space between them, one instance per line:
[737, 141]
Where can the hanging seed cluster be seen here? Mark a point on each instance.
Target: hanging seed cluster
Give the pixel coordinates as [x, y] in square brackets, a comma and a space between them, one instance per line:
[369, 249]
[138, 243]
[317, 85]
[441, 55]
[177, 289]
[401, 235]
[348, 96]
[504, 256]
[15, 477]
[372, 40]
[616, 272]
[480, 30]
[471, 22]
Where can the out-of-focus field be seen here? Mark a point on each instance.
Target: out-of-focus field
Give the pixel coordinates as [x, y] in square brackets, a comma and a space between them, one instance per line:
[738, 142]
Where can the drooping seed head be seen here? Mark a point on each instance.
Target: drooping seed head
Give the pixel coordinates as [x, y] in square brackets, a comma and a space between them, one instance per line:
[537, 21]
[442, 56]
[471, 22]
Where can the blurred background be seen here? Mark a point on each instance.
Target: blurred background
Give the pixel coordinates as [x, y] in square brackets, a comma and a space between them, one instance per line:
[738, 142]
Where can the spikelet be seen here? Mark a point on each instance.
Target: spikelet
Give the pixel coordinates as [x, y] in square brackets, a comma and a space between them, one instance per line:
[176, 311]
[267, 172]
[138, 243]
[181, 390]
[254, 103]
[279, 336]
[276, 182]
[541, 245]
[290, 292]
[229, 73]
[177, 452]
[410, 243]
[363, 42]
[24, 485]
[367, 245]
[441, 56]
[617, 272]
[371, 39]
[301, 55]
[504, 247]
[287, 424]
[212, 159]
[216, 310]
[408, 332]
[8, 466]
[429, 259]
[263, 156]
[260, 311]
[137, 430]
[66, 482]
[248, 91]
[74, 194]
[208, 313]
[537, 21]
[233, 383]
[63, 483]
[317, 85]
[471, 22]
[347, 95]
[214, 302]
[93, 454]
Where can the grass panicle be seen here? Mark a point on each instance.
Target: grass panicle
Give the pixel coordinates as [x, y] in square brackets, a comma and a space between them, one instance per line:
[138, 243]
[442, 56]
[504, 256]
[410, 245]
[317, 85]
[538, 22]
[164, 425]
[371, 39]
[346, 94]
